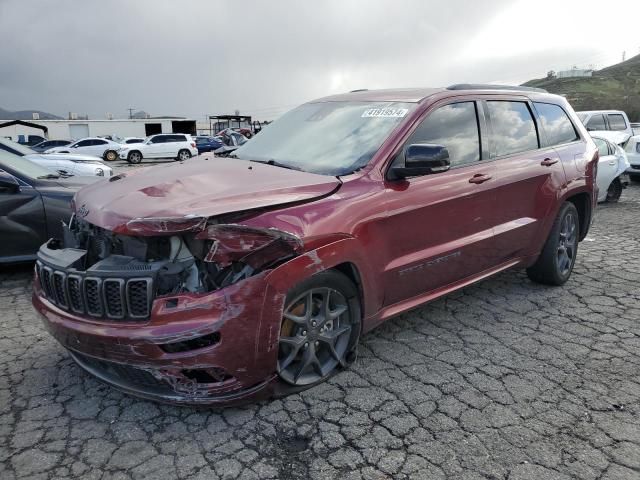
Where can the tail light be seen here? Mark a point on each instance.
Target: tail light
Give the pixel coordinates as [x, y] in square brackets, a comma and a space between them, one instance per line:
[193, 144]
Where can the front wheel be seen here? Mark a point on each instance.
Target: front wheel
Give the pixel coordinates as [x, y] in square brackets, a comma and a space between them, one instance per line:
[184, 155]
[320, 329]
[555, 263]
[134, 157]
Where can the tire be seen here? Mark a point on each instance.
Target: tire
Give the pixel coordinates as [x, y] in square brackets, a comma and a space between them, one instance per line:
[183, 155]
[614, 191]
[110, 156]
[311, 348]
[134, 157]
[556, 261]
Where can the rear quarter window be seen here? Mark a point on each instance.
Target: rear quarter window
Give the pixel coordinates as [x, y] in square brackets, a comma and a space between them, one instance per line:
[616, 121]
[556, 124]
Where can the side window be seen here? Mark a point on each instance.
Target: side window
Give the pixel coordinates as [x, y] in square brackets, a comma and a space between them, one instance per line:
[616, 121]
[556, 124]
[454, 126]
[99, 142]
[603, 149]
[158, 139]
[596, 122]
[84, 143]
[514, 130]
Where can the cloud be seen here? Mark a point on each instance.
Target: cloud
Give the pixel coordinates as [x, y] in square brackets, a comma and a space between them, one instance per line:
[203, 57]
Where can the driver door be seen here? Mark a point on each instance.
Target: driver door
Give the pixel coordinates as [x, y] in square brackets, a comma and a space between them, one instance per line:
[22, 223]
[155, 147]
[439, 228]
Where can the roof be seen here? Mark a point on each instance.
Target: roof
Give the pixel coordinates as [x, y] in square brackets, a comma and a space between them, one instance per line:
[412, 95]
[590, 112]
[415, 95]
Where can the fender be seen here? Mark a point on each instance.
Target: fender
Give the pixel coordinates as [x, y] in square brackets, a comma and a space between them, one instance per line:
[348, 250]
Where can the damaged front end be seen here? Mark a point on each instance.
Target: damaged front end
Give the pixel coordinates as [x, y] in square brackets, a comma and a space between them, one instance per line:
[106, 274]
[172, 314]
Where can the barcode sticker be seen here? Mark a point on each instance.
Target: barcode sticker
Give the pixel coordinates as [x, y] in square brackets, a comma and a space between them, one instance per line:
[385, 113]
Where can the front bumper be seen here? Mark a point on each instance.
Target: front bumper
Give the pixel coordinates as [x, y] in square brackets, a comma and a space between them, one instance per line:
[140, 358]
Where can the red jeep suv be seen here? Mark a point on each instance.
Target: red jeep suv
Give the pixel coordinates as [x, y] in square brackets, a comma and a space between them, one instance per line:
[220, 280]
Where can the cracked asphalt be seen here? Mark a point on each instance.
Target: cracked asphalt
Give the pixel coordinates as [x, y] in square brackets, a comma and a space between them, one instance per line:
[503, 380]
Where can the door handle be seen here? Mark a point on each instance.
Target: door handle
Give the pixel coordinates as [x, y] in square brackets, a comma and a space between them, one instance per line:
[547, 162]
[479, 178]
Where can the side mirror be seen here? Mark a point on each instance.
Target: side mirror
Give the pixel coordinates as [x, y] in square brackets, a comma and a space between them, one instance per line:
[421, 159]
[8, 183]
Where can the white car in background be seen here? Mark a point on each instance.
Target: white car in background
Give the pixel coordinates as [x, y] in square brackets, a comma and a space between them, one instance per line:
[612, 166]
[100, 147]
[66, 163]
[597, 121]
[632, 149]
[164, 145]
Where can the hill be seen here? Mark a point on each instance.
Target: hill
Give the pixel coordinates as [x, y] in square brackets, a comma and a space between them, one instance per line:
[616, 87]
[26, 115]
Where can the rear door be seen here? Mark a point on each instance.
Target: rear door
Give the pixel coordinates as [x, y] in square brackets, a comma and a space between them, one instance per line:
[607, 167]
[438, 229]
[530, 177]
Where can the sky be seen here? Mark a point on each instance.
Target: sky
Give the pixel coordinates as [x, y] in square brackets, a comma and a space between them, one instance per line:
[200, 57]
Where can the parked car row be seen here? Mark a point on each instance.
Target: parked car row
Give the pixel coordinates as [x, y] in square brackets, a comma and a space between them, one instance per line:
[618, 142]
[62, 163]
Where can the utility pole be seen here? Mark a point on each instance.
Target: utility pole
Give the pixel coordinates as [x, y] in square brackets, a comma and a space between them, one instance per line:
[131, 112]
[624, 55]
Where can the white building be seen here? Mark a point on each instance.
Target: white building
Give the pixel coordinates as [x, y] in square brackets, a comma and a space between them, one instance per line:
[575, 72]
[74, 129]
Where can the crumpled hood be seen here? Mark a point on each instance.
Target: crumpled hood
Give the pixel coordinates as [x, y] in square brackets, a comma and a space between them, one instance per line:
[615, 137]
[196, 188]
[74, 157]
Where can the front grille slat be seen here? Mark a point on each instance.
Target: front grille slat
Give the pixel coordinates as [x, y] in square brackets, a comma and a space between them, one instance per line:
[74, 290]
[139, 297]
[111, 298]
[93, 302]
[113, 292]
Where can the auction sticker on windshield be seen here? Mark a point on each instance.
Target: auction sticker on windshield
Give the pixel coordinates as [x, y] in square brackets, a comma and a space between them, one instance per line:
[385, 112]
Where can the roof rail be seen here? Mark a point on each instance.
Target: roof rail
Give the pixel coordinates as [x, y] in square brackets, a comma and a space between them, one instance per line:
[359, 90]
[481, 86]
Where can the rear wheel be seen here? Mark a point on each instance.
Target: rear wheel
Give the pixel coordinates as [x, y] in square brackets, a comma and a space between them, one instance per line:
[320, 329]
[134, 157]
[184, 155]
[614, 191]
[110, 155]
[555, 263]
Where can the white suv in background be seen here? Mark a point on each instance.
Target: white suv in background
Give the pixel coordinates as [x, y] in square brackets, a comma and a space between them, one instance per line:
[606, 121]
[164, 145]
[90, 146]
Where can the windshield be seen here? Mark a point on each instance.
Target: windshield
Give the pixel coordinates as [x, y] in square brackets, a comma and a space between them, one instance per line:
[22, 166]
[14, 146]
[331, 138]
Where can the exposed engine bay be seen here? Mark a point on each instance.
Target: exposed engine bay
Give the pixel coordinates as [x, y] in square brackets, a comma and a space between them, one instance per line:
[214, 257]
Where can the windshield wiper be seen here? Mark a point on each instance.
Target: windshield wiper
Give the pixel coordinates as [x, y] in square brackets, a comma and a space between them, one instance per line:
[277, 164]
[48, 176]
